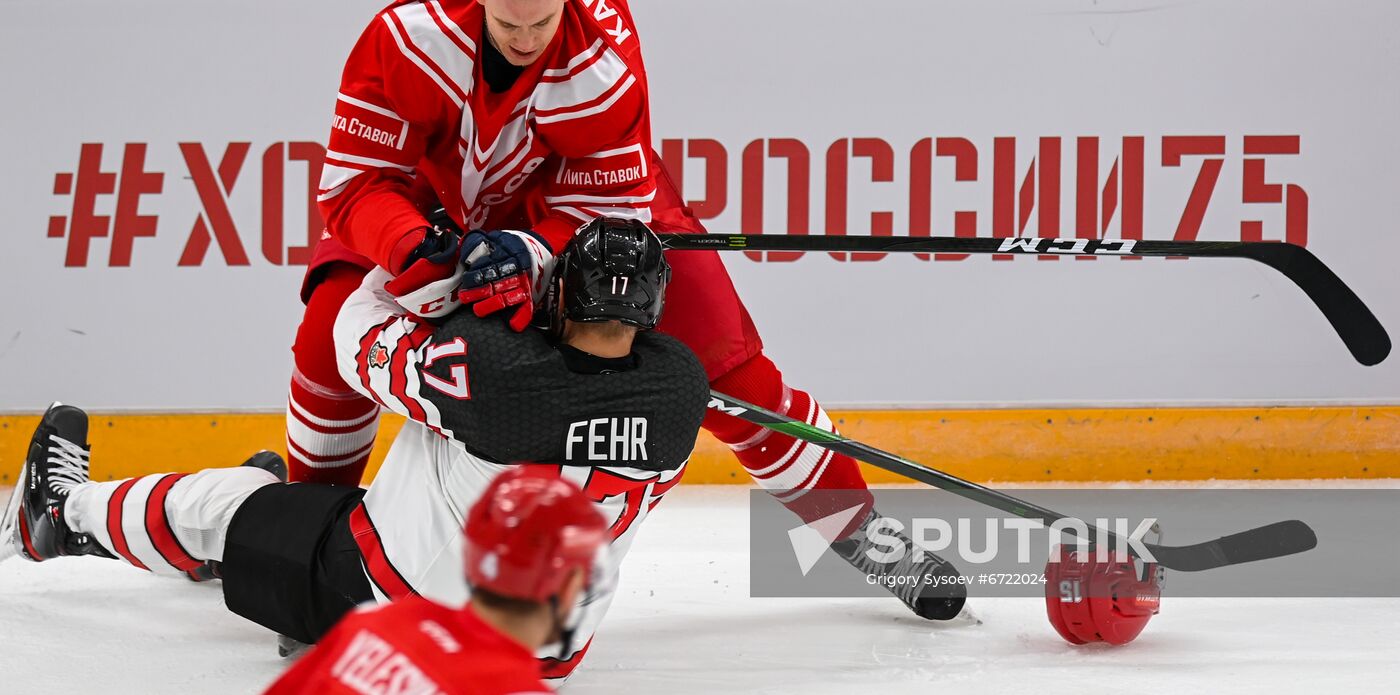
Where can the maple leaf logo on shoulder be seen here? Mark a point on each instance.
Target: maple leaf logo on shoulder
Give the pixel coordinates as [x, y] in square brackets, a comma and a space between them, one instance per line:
[378, 356]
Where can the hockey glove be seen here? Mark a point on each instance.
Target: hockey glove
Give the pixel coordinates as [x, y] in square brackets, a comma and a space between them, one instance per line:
[503, 271]
[427, 287]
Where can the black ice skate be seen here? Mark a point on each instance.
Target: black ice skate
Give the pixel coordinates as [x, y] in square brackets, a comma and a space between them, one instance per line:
[34, 525]
[269, 461]
[941, 600]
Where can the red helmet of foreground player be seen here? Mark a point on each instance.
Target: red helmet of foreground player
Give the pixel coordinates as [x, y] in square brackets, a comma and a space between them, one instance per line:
[528, 532]
[1092, 600]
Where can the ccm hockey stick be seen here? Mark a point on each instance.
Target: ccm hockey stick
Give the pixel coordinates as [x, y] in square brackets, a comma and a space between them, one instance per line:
[1274, 540]
[1349, 316]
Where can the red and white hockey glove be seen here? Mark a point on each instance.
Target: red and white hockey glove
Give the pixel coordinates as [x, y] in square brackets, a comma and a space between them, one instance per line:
[427, 287]
[503, 271]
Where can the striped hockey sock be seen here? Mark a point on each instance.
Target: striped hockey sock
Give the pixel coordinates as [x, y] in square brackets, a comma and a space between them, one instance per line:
[330, 433]
[810, 481]
[169, 523]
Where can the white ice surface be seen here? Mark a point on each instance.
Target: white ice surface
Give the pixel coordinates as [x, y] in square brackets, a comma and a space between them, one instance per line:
[683, 623]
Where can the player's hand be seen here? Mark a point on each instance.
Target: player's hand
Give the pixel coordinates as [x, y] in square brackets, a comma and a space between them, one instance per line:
[427, 287]
[503, 271]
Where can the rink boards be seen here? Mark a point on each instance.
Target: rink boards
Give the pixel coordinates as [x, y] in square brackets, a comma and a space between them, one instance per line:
[157, 221]
[157, 213]
[1003, 445]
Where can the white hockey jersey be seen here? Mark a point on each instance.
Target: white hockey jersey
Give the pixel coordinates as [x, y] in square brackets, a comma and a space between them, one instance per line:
[479, 398]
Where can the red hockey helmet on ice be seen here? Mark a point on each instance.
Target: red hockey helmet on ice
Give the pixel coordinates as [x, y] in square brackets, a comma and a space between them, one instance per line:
[529, 531]
[1100, 600]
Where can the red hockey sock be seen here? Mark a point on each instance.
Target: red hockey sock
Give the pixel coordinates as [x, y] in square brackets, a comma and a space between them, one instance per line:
[330, 427]
[809, 480]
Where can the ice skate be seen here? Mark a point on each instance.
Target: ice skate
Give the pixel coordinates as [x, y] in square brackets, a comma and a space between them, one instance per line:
[34, 525]
[941, 599]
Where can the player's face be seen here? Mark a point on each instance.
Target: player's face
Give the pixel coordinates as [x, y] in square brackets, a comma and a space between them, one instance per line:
[521, 29]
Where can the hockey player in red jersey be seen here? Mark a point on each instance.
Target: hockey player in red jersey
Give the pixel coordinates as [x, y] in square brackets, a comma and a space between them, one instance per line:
[523, 119]
[531, 541]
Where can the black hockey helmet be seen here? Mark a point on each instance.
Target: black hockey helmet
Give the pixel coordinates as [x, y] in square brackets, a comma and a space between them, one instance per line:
[612, 270]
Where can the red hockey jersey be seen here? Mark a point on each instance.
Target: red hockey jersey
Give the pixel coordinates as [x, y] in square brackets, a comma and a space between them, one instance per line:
[413, 646]
[570, 140]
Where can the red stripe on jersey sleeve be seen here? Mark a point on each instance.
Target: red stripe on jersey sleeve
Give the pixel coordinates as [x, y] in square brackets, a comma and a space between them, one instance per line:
[444, 80]
[575, 70]
[421, 334]
[362, 358]
[114, 523]
[449, 32]
[158, 526]
[624, 82]
[381, 571]
[398, 376]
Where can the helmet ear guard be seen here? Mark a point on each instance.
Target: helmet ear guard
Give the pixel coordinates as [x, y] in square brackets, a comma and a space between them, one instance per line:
[552, 317]
[612, 270]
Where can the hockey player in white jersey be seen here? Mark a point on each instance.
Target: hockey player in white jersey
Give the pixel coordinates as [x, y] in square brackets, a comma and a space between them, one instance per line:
[608, 404]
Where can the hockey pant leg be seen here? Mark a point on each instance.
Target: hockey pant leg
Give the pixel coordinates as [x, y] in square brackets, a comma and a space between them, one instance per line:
[330, 427]
[291, 563]
[169, 523]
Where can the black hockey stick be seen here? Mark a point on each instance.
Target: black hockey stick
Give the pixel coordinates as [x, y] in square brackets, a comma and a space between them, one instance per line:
[1349, 316]
[1275, 540]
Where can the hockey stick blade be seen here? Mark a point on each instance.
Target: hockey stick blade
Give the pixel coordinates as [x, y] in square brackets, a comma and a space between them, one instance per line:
[1263, 543]
[1362, 332]
[1274, 540]
[1352, 320]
